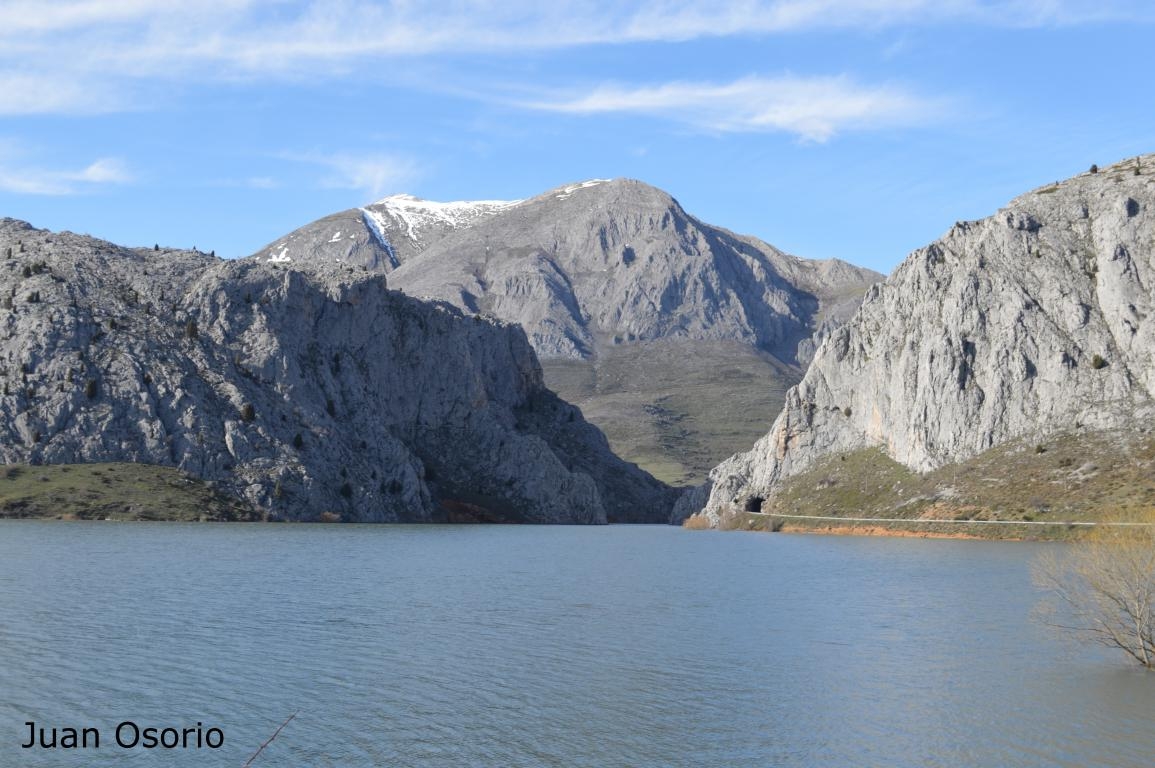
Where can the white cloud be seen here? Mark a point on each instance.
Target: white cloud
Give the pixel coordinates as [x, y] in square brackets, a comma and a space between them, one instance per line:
[261, 182]
[107, 170]
[248, 182]
[374, 174]
[25, 178]
[90, 53]
[53, 92]
[813, 108]
[23, 17]
[673, 20]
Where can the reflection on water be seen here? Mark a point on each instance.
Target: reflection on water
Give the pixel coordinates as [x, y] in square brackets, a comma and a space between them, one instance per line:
[549, 646]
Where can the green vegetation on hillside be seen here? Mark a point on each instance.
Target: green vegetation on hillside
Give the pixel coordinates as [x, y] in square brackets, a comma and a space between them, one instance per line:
[676, 408]
[119, 491]
[1067, 478]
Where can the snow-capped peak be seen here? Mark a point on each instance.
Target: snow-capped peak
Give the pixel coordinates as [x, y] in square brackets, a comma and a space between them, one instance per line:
[417, 214]
[564, 192]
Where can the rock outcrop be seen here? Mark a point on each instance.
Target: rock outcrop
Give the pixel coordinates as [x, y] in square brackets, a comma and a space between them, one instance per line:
[604, 262]
[610, 278]
[1036, 320]
[303, 393]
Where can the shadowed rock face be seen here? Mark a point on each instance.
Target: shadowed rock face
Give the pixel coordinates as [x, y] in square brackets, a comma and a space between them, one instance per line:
[1036, 320]
[608, 277]
[301, 393]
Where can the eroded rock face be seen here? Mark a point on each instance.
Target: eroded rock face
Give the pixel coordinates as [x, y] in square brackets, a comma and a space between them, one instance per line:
[302, 393]
[596, 264]
[1035, 320]
[607, 277]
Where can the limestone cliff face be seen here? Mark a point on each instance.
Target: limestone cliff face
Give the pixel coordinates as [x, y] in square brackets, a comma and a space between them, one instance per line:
[596, 264]
[1038, 319]
[302, 393]
[676, 337]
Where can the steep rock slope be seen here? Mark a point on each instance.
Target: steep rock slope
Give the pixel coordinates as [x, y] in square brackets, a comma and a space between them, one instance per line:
[1035, 321]
[378, 237]
[615, 262]
[636, 308]
[301, 393]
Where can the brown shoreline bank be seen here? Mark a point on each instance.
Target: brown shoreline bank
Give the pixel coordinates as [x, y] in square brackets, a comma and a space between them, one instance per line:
[925, 528]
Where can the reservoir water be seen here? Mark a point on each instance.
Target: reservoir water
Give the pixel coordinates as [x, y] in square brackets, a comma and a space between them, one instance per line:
[548, 646]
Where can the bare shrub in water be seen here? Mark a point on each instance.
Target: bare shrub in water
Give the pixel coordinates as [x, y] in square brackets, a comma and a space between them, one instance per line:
[1102, 588]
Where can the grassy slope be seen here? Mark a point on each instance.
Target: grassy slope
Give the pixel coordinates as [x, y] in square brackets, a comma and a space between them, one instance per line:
[112, 492]
[1073, 479]
[676, 408]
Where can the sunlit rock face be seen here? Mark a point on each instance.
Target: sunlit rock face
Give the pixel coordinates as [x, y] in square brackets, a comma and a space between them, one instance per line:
[303, 393]
[1038, 319]
[605, 262]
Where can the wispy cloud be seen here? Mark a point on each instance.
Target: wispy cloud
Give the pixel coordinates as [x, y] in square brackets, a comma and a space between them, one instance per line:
[104, 171]
[90, 53]
[48, 92]
[673, 20]
[30, 179]
[261, 182]
[247, 182]
[372, 173]
[813, 108]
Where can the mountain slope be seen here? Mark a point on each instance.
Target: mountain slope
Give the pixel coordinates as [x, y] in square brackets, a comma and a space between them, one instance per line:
[607, 263]
[378, 237]
[301, 393]
[606, 277]
[1034, 322]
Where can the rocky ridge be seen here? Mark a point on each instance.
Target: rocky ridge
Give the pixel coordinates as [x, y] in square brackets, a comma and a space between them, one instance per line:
[302, 393]
[378, 237]
[621, 292]
[603, 262]
[1035, 321]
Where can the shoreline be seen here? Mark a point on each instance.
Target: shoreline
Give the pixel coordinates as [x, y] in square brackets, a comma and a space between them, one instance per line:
[878, 530]
[911, 528]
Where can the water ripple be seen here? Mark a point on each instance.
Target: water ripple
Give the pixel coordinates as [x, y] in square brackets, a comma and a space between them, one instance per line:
[508, 647]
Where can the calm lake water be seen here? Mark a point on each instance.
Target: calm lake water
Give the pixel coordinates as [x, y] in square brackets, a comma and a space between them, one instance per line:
[549, 646]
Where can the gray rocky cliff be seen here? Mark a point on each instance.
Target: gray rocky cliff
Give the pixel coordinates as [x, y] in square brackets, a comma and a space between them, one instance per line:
[620, 262]
[679, 339]
[1038, 319]
[603, 262]
[303, 393]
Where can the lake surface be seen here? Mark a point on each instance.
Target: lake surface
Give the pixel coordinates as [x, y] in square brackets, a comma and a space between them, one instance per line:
[549, 646]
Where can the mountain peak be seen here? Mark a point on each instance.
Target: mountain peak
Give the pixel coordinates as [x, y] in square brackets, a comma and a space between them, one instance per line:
[416, 214]
[564, 191]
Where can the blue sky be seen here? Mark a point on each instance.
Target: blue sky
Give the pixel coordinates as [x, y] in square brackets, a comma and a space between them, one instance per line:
[858, 129]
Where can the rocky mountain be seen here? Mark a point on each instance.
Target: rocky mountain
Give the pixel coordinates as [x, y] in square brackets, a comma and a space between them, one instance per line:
[1035, 322]
[302, 393]
[611, 277]
[378, 237]
[583, 267]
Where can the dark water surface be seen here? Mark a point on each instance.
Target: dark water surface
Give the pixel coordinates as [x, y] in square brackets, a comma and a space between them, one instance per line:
[549, 646]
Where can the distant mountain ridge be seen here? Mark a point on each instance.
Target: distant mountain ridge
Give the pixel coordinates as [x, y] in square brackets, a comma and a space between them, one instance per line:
[377, 237]
[635, 307]
[602, 262]
[1033, 323]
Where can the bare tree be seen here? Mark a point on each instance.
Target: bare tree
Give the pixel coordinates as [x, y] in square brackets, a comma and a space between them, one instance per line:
[1103, 588]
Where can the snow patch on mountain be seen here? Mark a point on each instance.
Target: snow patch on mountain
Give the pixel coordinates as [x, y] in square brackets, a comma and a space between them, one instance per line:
[376, 225]
[417, 214]
[567, 191]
